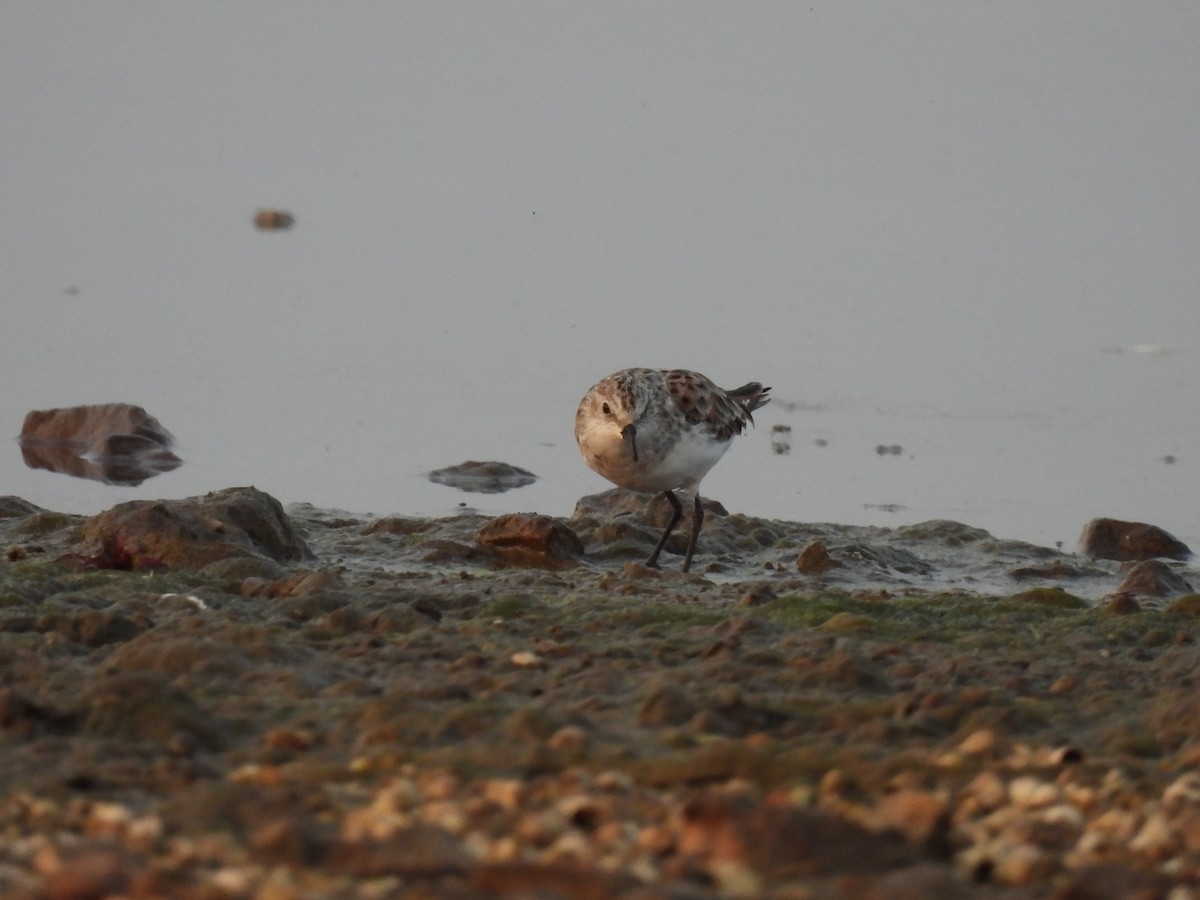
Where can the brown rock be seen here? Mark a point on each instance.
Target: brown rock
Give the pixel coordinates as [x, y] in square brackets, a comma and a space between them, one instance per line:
[292, 840]
[91, 872]
[21, 715]
[815, 559]
[1130, 541]
[145, 707]
[417, 851]
[1121, 605]
[190, 533]
[1187, 605]
[666, 704]
[921, 816]
[1174, 718]
[95, 429]
[920, 882]
[757, 595]
[531, 540]
[1112, 882]
[785, 842]
[569, 882]
[116, 443]
[1153, 578]
[273, 220]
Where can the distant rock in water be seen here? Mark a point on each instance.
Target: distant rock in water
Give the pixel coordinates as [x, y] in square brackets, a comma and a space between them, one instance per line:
[273, 220]
[116, 443]
[1130, 541]
[483, 477]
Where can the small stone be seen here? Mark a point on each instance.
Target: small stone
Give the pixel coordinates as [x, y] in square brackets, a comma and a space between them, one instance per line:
[570, 739]
[421, 851]
[919, 815]
[987, 789]
[1028, 792]
[666, 704]
[273, 220]
[292, 739]
[1121, 605]
[1022, 864]
[90, 872]
[815, 559]
[1183, 791]
[757, 596]
[979, 743]
[1155, 838]
[1064, 685]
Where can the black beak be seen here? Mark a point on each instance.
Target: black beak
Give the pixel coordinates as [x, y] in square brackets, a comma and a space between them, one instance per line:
[629, 432]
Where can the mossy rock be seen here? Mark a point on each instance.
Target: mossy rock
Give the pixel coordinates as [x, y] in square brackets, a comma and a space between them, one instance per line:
[1054, 597]
[847, 623]
[1187, 605]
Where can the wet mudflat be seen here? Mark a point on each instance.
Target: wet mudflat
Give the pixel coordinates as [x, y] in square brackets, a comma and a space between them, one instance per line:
[234, 701]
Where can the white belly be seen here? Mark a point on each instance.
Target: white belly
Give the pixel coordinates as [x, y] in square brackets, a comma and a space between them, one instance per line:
[660, 467]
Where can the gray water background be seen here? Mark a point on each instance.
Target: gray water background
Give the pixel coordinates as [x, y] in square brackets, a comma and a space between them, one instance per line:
[968, 229]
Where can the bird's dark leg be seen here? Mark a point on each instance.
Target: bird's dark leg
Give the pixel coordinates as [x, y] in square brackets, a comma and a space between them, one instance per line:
[697, 521]
[677, 513]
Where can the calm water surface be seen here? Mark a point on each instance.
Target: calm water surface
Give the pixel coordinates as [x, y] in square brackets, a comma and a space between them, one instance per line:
[969, 232]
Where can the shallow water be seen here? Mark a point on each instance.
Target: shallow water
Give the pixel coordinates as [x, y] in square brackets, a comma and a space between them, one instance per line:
[967, 233]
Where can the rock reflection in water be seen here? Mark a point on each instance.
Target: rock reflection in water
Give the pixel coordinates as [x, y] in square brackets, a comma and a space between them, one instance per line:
[116, 443]
[483, 477]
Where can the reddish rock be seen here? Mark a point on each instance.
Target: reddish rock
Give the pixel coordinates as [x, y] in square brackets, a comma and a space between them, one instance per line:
[1130, 541]
[190, 533]
[417, 851]
[1121, 605]
[297, 840]
[560, 880]
[921, 816]
[785, 842]
[98, 429]
[93, 871]
[529, 539]
[815, 559]
[273, 220]
[1153, 578]
[116, 443]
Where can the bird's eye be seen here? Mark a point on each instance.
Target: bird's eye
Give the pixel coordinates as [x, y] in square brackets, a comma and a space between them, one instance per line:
[607, 411]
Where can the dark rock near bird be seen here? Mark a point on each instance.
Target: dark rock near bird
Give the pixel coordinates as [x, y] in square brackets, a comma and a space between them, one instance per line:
[528, 539]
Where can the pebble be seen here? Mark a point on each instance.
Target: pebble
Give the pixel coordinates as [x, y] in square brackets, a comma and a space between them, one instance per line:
[1028, 792]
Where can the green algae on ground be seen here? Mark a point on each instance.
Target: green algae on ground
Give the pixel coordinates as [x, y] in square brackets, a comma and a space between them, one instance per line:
[1187, 605]
[1050, 596]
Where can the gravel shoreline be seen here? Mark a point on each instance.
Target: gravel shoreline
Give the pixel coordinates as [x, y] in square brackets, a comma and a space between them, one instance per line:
[400, 710]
